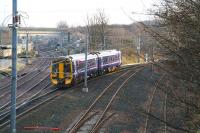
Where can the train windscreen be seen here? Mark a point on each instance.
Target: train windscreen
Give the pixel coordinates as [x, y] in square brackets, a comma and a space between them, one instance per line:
[67, 68]
[55, 68]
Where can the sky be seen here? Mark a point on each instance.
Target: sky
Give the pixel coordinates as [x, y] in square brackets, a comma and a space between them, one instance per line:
[47, 13]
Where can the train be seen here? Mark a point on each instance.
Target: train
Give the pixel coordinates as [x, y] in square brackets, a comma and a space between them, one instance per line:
[69, 70]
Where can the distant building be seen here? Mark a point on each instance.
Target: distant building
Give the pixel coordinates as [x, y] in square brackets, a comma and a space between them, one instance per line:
[5, 37]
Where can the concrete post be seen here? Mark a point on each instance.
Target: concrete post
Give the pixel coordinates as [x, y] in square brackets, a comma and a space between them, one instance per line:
[14, 66]
[26, 48]
[138, 49]
[85, 89]
[1, 35]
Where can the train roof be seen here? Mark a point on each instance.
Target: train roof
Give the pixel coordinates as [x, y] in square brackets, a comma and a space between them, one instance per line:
[102, 53]
[108, 52]
[81, 56]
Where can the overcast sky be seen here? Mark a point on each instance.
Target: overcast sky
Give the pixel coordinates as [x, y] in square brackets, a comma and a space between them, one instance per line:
[47, 13]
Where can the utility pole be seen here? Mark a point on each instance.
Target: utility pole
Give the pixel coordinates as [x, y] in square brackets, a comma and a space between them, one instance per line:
[104, 42]
[85, 88]
[61, 42]
[152, 55]
[15, 22]
[146, 57]
[1, 35]
[68, 37]
[165, 113]
[138, 49]
[26, 48]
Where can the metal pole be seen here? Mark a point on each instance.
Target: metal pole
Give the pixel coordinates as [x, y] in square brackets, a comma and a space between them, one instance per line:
[85, 89]
[26, 48]
[14, 65]
[138, 48]
[1, 36]
[165, 113]
[104, 43]
[68, 37]
[152, 56]
[61, 43]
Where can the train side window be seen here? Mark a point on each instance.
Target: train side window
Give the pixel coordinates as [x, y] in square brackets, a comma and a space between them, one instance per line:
[105, 60]
[80, 65]
[91, 63]
[115, 58]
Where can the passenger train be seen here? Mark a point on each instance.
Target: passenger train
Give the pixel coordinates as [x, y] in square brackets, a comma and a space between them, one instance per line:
[70, 69]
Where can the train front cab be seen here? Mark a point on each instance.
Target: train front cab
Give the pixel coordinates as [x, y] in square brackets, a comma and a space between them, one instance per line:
[62, 72]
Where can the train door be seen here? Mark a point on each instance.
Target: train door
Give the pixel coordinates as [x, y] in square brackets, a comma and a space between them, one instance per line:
[68, 72]
[61, 70]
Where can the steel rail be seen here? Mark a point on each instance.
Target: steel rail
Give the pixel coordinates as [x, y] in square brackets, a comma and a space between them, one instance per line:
[75, 127]
[18, 96]
[29, 72]
[37, 96]
[29, 110]
[26, 81]
[150, 104]
[95, 128]
[23, 102]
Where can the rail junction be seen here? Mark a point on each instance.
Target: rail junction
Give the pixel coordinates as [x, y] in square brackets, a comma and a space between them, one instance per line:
[34, 91]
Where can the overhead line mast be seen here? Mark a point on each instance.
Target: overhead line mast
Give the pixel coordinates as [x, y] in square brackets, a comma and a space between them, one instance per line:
[14, 26]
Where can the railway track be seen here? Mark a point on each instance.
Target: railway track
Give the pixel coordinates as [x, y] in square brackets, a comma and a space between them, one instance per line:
[103, 101]
[43, 96]
[31, 96]
[29, 86]
[149, 106]
[27, 77]
[24, 91]
[25, 73]
[40, 95]
[26, 99]
[24, 85]
[29, 71]
[42, 66]
[34, 89]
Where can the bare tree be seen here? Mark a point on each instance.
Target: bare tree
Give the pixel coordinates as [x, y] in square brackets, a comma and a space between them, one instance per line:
[102, 20]
[63, 30]
[62, 25]
[178, 33]
[97, 30]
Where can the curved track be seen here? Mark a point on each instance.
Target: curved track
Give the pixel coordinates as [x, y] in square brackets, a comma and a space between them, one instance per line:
[104, 100]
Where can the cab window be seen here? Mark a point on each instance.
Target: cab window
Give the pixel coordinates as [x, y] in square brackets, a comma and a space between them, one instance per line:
[67, 67]
[54, 67]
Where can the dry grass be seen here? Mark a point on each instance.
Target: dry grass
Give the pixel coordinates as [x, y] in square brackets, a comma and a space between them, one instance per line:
[128, 56]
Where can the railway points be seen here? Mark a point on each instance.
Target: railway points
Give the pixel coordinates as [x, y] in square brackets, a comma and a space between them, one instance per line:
[72, 101]
[99, 121]
[35, 91]
[32, 82]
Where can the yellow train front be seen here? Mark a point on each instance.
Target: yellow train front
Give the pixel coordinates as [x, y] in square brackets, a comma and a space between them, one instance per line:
[62, 72]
